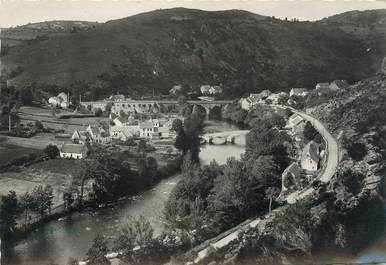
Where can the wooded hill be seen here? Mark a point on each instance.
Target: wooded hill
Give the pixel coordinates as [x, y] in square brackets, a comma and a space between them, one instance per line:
[242, 51]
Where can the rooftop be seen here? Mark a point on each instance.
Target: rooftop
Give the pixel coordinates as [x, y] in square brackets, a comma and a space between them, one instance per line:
[73, 148]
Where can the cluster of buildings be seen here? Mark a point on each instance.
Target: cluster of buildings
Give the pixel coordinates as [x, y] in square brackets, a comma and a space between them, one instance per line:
[81, 138]
[124, 128]
[326, 88]
[60, 101]
[310, 157]
[207, 90]
[121, 129]
[267, 96]
[263, 97]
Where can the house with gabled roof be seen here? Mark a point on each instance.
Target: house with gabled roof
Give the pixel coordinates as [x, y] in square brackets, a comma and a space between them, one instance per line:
[338, 85]
[98, 134]
[80, 137]
[122, 133]
[322, 88]
[310, 157]
[146, 129]
[296, 124]
[73, 151]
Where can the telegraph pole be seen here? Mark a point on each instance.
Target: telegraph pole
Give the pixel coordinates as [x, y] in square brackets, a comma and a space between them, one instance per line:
[9, 124]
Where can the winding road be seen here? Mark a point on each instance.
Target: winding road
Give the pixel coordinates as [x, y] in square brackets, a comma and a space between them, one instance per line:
[332, 151]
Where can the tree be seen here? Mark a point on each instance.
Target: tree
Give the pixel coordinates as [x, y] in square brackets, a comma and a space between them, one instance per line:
[181, 100]
[96, 255]
[26, 96]
[26, 204]
[42, 199]
[98, 112]
[68, 199]
[271, 193]
[72, 261]
[142, 146]
[357, 151]
[39, 125]
[52, 151]
[282, 100]
[265, 140]
[8, 213]
[309, 132]
[136, 232]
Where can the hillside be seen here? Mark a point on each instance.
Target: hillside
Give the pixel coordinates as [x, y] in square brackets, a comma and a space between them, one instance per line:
[369, 26]
[35, 31]
[242, 51]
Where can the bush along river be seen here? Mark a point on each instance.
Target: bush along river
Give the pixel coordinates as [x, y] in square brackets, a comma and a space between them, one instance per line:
[72, 236]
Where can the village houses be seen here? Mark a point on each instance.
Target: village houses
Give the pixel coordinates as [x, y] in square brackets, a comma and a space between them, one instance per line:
[92, 134]
[124, 128]
[296, 125]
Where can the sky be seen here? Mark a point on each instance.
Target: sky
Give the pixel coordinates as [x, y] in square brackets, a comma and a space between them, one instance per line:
[20, 12]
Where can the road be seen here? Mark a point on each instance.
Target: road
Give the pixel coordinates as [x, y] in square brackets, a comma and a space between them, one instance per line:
[332, 152]
[329, 171]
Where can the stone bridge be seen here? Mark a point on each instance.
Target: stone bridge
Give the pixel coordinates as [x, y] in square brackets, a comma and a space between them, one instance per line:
[225, 137]
[147, 105]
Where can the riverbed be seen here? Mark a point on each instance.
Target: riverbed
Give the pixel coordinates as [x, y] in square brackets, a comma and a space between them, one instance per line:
[58, 240]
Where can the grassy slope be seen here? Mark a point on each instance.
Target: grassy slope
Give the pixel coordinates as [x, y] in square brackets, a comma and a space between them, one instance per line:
[241, 50]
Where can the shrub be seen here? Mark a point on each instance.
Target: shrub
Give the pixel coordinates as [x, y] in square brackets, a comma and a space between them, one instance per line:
[309, 132]
[52, 151]
[357, 151]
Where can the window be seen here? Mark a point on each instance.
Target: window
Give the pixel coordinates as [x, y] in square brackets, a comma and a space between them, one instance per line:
[123, 105]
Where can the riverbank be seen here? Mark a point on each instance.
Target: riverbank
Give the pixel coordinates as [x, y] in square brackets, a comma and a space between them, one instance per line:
[72, 236]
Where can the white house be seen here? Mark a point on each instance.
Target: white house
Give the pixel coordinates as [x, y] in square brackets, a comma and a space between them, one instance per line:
[246, 103]
[62, 100]
[73, 151]
[205, 89]
[296, 123]
[300, 92]
[310, 157]
[146, 129]
[322, 88]
[215, 90]
[156, 122]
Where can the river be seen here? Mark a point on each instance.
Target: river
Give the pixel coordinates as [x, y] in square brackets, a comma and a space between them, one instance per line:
[56, 241]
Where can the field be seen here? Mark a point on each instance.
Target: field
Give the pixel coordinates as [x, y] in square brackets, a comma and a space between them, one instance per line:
[57, 173]
[58, 166]
[9, 152]
[29, 114]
